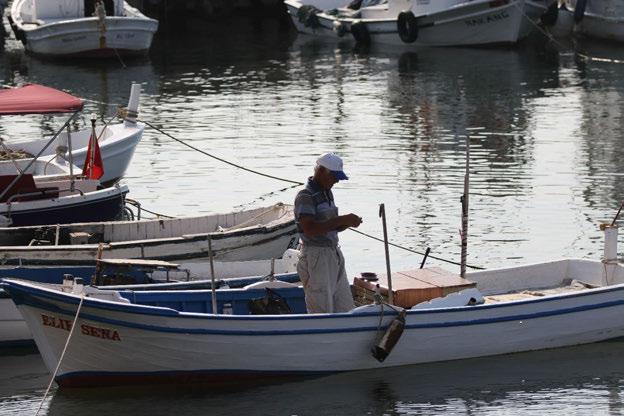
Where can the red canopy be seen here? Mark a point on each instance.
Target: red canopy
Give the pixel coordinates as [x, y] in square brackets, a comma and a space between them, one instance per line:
[37, 99]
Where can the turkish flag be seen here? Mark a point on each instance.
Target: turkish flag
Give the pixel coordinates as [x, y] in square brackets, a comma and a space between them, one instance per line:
[93, 167]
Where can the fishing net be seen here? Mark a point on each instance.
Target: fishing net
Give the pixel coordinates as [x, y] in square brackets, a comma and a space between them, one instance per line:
[8, 154]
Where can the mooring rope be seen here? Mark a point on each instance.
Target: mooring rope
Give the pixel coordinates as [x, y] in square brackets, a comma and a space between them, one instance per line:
[58, 365]
[218, 158]
[414, 251]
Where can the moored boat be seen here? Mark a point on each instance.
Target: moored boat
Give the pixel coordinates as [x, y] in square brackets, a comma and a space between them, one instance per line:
[147, 337]
[254, 234]
[601, 19]
[117, 141]
[76, 27]
[408, 24]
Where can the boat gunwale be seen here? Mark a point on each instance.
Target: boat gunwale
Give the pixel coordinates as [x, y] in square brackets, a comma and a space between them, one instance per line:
[36, 290]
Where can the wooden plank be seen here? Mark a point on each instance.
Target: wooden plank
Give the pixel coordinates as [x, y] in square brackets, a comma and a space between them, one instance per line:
[139, 262]
[411, 287]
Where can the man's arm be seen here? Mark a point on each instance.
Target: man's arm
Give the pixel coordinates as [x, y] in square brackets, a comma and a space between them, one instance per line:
[312, 228]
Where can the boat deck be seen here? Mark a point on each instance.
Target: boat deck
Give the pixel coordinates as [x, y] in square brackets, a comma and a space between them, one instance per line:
[572, 286]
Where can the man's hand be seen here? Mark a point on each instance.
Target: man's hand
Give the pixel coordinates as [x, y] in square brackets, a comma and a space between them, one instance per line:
[352, 220]
[312, 228]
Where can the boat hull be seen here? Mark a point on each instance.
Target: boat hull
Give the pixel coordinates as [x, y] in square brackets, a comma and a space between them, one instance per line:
[117, 146]
[237, 247]
[87, 36]
[14, 331]
[102, 205]
[126, 344]
[261, 233]
[603, 19]
[471, 24]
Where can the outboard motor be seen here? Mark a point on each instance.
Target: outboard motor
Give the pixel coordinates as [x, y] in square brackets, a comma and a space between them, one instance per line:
[386, 343]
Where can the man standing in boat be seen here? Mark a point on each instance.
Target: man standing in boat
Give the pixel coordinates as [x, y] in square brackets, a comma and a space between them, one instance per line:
[321, 265]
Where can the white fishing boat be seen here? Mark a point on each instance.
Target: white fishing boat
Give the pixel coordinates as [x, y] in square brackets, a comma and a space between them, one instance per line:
[106, 28]
[38, 192]
[255, 234]
[154, 336]
[420, 23]
[117, 141]
[601, 19]
[134, 275]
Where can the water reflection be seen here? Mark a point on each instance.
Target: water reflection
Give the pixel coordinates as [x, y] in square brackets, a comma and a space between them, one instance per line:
[585, 380]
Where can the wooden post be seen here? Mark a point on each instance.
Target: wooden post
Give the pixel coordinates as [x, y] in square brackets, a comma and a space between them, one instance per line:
[382, 214]
[464, 202]
[212, 276]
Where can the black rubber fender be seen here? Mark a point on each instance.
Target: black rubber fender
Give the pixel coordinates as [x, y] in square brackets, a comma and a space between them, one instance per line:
[407, 26]
[340, 29]
[360, 33]
[550, 16]
[579, 10]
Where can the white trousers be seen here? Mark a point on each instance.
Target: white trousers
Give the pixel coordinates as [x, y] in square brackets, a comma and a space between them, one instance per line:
[322, 272]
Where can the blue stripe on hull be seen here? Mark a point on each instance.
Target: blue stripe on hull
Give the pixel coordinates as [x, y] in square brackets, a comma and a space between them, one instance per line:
[108, 209]
[21, 296]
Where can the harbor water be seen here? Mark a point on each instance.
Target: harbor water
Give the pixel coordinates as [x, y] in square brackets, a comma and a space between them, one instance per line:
[546, 136]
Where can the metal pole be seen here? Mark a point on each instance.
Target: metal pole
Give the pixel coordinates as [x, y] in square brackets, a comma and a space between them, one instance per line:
[464, 201]
[212, 277]
[72, 181]
[422, 264]
[617, 215]
[382, 214]
[8, 188]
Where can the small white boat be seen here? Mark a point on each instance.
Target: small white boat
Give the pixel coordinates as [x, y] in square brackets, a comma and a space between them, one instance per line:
[601, 19]
[117, 141]
[76, 27]
[254, 234]
[154, 336]
[57, 200]
[420, 23]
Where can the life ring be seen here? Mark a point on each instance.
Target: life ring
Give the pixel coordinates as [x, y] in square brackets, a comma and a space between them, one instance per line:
[579, 10]
[407, 26]
[550, 16]
[360, 32]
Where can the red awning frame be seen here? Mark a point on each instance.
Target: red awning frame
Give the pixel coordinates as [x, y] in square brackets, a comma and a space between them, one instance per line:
[37, 99]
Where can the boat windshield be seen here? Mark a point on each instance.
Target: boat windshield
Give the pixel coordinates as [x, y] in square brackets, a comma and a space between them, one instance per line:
[368, 3]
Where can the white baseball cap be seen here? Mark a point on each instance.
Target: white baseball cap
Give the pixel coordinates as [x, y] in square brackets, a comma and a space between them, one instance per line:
[332, 162]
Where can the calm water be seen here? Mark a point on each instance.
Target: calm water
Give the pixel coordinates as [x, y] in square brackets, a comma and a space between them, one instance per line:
[546, 152]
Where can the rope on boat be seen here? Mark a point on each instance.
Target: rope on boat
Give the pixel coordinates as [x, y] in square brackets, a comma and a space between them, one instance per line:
[58, 365]
[414, 251]
[562, 46]
[218, 158]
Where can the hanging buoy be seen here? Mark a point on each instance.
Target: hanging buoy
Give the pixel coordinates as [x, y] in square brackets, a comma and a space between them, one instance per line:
[386, 343]
[579, 10]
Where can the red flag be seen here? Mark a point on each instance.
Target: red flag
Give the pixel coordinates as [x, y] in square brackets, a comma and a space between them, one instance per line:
[93, 167]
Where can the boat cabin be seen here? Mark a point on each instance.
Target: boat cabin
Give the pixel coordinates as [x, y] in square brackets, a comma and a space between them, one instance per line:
[40, 12]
